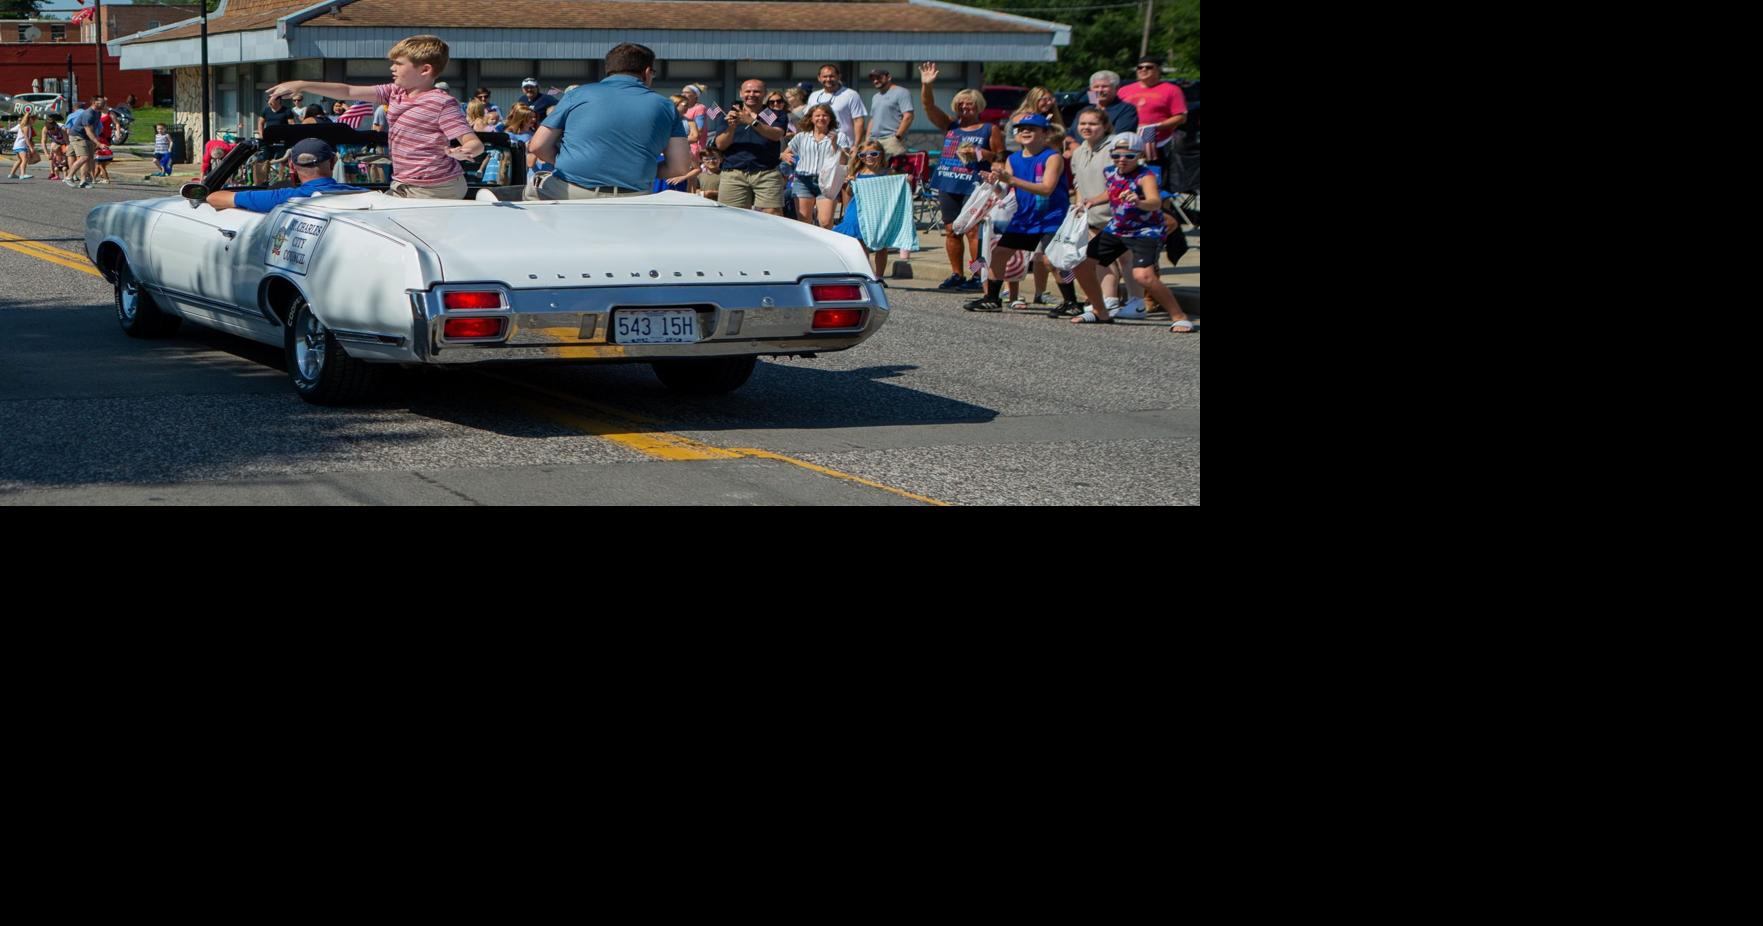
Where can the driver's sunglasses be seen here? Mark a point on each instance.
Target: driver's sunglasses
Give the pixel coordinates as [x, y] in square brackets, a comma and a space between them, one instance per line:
[870, 154]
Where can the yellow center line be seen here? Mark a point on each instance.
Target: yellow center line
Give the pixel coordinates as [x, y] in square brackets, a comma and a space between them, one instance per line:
[614, 424]
[836, 474]
[72, 260]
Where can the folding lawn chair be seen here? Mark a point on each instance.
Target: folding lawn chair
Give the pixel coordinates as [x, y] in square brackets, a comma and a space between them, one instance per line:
[916, 165]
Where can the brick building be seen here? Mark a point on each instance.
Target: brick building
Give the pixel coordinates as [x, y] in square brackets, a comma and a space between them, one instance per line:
[39, 50]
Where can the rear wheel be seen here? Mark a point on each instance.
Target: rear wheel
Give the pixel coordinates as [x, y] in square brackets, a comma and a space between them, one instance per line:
[712, 376]
[136, 312]
[322, 373]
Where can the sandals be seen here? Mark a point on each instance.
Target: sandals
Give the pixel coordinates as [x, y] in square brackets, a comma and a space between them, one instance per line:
[1089, 318]
[1018, 304]
[1185, 325]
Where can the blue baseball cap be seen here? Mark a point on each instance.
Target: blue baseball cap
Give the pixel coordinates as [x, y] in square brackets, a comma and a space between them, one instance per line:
[1035, 119]
[311, 152]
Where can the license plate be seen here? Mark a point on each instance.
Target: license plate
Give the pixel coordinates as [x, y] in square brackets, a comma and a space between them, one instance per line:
[655, 326]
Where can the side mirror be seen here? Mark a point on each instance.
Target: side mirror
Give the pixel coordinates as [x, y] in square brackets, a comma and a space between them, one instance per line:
[196, 193]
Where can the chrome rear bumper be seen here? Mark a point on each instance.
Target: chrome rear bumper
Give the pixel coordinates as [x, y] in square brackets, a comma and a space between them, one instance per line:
[576, 323]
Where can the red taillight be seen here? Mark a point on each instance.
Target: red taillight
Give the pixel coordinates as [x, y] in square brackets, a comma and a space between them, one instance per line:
[472, 299]
[474, 327]
[838, 318]
[838, 293]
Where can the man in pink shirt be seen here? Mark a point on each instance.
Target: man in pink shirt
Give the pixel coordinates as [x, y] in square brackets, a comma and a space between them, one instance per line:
[422, 121]
[1161, 104]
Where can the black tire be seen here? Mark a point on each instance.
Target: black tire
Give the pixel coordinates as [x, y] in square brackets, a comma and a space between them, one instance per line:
[136, 312]
[712, 376]
[322, 373]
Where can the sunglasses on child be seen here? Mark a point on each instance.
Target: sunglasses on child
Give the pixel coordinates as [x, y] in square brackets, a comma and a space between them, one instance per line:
[870, 154]
[1129, 156]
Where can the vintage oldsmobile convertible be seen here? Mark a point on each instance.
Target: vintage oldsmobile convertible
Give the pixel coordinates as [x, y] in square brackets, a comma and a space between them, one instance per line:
[348, 284]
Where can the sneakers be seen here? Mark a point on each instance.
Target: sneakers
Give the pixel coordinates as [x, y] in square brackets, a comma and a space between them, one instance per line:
[954, 282]
[1043, 299]
[975, 285]
[72, 182]
[1111, 303]
[984, 304]
[103, 179]
[86, 186]
[1133, 309]
[1067, 308]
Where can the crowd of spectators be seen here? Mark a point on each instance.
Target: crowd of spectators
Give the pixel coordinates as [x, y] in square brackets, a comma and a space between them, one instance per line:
[794, 151]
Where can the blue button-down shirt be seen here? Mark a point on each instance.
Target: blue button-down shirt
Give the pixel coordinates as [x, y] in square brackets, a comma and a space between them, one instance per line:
[265, 200]
[612, 133]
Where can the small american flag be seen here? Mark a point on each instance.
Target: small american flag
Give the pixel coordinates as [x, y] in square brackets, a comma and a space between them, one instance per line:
[356, 115]
[711, 113]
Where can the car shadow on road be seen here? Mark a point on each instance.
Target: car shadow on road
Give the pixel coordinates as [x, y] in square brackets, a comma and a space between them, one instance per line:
[85, 404]
[782, 394]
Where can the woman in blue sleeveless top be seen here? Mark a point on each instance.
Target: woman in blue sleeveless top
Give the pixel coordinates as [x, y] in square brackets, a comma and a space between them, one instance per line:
[968, 147]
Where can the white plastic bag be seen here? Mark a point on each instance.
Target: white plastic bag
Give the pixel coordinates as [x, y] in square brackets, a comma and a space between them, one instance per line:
[1071, 242]
[980, 203]
[1005, 211]
[832, 176]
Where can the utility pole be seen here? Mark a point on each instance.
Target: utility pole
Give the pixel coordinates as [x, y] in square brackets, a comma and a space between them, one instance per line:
[1145, 43]
[205, 106]
[98, 44]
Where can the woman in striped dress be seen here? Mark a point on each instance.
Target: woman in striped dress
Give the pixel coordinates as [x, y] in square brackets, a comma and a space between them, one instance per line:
[818, 144]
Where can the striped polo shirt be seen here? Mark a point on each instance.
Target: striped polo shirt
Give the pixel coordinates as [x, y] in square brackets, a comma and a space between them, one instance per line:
[418, 129]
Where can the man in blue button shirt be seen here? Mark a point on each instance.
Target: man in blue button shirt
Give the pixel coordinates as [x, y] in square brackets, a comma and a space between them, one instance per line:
[605, 137]
[313, 162]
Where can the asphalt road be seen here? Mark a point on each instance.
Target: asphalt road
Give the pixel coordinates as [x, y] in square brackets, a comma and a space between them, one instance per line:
[941, 406]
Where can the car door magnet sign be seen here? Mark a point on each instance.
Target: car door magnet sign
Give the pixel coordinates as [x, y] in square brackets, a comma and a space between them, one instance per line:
[295, 239]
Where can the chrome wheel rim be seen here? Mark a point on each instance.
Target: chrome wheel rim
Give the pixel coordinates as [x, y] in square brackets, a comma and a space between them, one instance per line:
[128, 298]
[309, 347]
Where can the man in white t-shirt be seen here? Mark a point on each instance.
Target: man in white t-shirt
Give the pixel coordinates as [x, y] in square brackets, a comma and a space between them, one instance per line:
[846, 103]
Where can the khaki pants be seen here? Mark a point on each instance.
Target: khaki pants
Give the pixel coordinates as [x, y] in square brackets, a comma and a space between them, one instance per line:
[757, 189]
[452, 189]
[555, 187]
[892, 145]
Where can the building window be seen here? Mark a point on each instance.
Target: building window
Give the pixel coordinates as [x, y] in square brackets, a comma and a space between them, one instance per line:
[685, 70]
[57, 33]
[152, 23]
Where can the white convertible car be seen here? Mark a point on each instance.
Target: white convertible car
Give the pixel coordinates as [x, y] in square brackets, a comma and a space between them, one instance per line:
[350, 283]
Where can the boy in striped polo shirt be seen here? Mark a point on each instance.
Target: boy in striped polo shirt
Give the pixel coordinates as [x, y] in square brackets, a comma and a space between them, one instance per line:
[420, 120]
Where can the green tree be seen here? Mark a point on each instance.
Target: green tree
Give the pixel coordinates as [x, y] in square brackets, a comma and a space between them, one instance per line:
[1105, 36]
[19, 9]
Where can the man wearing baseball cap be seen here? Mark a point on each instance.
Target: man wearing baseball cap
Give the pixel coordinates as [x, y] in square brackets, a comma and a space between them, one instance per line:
[1159, 103]
[890, 113]
[313, 161]
[539, 101]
